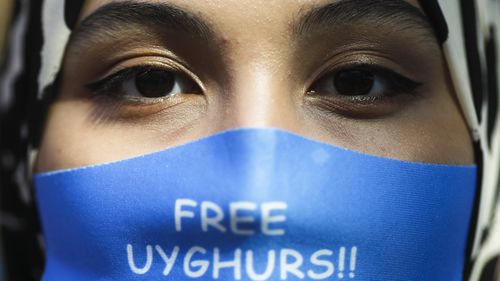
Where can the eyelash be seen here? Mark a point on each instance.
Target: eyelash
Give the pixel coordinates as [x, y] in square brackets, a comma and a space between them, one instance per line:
[397, 83]
[109, 86]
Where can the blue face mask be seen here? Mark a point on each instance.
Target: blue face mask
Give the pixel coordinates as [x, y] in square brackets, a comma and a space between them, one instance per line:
[257, 204]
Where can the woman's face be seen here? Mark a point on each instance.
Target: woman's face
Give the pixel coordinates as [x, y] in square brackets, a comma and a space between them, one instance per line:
[359, 74]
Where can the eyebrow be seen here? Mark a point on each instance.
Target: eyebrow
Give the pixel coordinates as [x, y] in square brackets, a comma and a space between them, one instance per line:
[117, 17]
[397, 13]
[113, 18]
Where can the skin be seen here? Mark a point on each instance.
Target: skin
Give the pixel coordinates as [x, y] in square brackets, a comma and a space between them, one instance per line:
[254, 74]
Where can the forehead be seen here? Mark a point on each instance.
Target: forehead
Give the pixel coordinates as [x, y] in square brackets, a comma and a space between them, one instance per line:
[236, 13]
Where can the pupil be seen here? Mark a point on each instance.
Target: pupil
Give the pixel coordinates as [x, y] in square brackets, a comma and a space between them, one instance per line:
[354, 82]
[155, 83]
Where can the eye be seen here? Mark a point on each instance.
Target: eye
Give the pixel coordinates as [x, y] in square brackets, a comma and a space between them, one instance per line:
[152, 84]
[144, 82]
[365, 82]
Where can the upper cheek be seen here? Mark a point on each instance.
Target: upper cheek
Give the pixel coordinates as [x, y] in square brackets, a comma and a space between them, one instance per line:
[430, 130]
[435, 132]
[53, 152]
[451, 136]
[70, 139]
[65, 141]
[79, 132]
[441, 134]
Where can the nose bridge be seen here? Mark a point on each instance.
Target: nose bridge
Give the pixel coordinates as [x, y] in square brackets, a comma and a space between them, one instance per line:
[260, 97]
